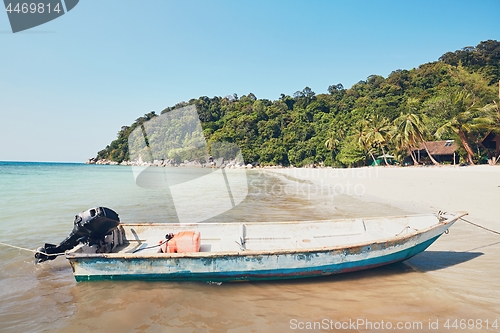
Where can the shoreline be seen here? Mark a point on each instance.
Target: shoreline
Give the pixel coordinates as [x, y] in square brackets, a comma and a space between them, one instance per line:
[237, 164]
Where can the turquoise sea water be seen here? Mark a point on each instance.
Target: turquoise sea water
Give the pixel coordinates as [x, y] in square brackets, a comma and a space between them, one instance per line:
[38, 202]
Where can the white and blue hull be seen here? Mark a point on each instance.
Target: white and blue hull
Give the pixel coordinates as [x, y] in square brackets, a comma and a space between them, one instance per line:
[355, 245]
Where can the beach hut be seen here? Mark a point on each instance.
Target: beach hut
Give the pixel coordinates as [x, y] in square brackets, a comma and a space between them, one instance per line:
[491, 142]
[442, 151]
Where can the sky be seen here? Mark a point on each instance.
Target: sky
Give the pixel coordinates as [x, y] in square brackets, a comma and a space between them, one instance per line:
[67, 86]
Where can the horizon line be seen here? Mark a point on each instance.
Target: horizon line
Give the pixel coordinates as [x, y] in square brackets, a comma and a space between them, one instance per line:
[63, 162]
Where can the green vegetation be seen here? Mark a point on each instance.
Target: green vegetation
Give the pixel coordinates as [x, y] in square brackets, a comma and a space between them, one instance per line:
[455, 97]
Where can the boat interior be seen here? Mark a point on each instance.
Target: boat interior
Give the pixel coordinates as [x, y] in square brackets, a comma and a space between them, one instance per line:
[146, 238]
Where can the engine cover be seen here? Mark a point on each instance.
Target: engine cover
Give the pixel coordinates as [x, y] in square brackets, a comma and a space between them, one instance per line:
[90, 227]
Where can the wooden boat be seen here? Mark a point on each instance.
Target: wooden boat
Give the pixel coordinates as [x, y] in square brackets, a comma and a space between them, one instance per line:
[260, 251]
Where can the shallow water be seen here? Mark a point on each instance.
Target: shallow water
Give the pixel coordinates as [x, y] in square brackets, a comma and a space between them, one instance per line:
[455, 279]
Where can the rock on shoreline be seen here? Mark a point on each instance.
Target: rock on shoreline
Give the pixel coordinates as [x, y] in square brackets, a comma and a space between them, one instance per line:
[219, 163]
[95, 160]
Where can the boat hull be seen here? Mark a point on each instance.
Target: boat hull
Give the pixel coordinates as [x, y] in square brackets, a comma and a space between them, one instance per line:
[252, 265]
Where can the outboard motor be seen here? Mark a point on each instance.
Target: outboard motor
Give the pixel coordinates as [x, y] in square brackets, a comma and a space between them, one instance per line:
[90, 227]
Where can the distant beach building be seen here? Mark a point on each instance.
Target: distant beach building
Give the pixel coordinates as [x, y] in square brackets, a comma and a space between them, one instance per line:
[443, 151]
[491, 142]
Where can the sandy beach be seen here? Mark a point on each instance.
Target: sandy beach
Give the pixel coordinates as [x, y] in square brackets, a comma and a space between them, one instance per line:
[467, 260]
[475, 189]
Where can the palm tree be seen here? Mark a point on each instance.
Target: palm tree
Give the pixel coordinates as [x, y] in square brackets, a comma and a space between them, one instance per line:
[335, 137]
[360, 130]
[377, 132]
[409, 132]
[336, 131]
[332, 142]
[491, 115]
[403, 136]
[466, 120]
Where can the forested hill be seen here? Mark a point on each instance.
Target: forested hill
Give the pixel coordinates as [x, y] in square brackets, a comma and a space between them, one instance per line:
[452, 98]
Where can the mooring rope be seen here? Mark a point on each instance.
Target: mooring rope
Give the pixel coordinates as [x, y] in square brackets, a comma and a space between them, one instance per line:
[480, 226]
[470, 222]
[29, 250]
[18, 247]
